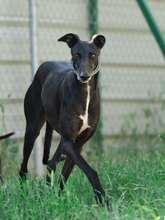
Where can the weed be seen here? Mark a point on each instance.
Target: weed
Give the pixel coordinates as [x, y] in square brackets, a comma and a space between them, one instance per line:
[136, 191]
[9, 148]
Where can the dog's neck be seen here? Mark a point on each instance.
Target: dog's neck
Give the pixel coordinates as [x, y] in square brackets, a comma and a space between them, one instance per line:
[84, 116]
[87, 92]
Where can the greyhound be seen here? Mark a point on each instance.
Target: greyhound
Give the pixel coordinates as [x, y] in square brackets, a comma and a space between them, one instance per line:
[66, 96]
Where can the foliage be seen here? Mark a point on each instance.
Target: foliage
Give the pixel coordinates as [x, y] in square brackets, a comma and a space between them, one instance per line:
[134, 182]
[9, 148]
[136, 190]
[151, 113]
[9, 155]
[143, 138]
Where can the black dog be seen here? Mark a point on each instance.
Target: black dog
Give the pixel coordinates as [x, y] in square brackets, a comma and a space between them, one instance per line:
[66, 96]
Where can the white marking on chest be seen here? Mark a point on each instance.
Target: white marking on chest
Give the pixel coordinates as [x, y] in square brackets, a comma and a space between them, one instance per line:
[84, 117]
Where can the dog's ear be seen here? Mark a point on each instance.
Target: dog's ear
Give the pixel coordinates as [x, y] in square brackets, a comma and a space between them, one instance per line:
[98, 40]
[70, 39]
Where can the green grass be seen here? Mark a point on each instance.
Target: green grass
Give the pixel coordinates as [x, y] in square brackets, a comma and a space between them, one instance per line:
[136, 190]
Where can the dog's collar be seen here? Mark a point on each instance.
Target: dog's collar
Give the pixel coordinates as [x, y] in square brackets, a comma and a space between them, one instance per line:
[93, 73]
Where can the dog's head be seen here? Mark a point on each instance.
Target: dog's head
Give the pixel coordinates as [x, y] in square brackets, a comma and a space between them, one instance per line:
[85, 55]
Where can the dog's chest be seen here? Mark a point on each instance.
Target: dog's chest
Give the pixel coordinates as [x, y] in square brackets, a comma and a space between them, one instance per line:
[84, 117]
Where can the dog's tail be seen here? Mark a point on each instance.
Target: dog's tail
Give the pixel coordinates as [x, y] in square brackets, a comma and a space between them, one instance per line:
[6, 135]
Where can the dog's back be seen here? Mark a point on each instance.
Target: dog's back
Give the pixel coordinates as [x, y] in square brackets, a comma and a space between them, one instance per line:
[57, 69]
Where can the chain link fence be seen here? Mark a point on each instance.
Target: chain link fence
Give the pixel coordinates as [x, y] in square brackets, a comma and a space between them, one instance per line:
[133, 67]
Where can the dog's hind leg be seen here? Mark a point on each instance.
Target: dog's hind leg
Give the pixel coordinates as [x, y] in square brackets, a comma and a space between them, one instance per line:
[54, 161]
[66, 170]
[47, 143]
[35, 118]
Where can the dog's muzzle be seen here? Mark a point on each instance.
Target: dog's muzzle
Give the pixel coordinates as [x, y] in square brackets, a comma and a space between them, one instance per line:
[85, 77]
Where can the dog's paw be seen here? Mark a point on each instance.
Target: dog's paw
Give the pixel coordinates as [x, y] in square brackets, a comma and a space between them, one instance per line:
[22, 176]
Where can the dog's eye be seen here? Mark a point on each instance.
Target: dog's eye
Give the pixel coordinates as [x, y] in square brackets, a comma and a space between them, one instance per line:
[76, 55]
[93, 55]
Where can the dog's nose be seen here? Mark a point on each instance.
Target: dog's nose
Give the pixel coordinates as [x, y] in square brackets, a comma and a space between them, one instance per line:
[84, 76]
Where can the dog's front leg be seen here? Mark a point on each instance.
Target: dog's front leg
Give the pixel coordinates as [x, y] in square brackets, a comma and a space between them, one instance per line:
[71, 151]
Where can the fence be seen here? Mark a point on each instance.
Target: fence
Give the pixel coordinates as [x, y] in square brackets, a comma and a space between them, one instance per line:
[133, 67]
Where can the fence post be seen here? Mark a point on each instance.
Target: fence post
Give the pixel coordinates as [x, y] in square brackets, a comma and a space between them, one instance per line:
[152, 24]
[98, 139]
[34, 65]
[93, 17]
